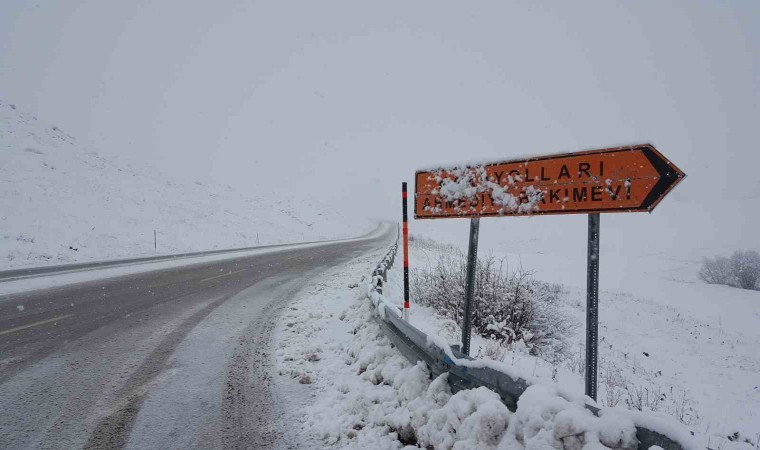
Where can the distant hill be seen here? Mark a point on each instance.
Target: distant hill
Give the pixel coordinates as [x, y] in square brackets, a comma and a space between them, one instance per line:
[62, 203]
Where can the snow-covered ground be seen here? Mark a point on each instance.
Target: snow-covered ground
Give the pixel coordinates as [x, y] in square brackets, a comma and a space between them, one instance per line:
[64, 203]
[342, 382]
[691, 347]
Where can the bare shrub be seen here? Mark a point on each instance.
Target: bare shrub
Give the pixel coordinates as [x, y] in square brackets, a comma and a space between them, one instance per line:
[741, 270]
[651, 396]
[613, 383]
[507, 306]
[644, 398]
[716, 271]
[745, 266]
[682, 407]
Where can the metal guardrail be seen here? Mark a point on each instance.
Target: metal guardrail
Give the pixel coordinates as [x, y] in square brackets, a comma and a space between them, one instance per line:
[31, 272]
[413, 344]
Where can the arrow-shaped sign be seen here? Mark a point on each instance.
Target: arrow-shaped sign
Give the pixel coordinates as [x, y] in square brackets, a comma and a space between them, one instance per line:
[621, 179]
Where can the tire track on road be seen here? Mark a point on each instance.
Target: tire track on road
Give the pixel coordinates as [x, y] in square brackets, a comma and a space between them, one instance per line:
[113, 430]
[249, 406]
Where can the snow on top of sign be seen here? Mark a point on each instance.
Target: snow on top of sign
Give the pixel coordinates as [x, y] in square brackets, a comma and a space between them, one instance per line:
[461, 186]
[516, 157]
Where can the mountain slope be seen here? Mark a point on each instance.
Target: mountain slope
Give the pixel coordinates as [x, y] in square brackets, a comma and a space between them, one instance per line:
[62, 203]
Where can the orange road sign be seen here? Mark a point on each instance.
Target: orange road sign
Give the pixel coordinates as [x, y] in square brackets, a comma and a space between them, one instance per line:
[622, 179]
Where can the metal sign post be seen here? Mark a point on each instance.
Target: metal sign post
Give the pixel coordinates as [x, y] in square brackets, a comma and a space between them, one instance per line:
[592, 305]
[406, 253]
[472, 261]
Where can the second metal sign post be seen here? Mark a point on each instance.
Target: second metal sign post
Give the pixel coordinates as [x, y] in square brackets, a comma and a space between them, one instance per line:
[469, 288]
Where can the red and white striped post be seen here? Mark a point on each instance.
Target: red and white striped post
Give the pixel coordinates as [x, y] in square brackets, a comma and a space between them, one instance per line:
[406, 253]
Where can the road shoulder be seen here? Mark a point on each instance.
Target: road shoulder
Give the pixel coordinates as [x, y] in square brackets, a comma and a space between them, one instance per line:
[309, 345]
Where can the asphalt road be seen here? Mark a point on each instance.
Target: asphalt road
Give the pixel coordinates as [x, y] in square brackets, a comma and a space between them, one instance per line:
[175, 358]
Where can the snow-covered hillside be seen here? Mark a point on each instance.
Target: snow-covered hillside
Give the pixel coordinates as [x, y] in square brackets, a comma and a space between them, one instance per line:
[63, 203]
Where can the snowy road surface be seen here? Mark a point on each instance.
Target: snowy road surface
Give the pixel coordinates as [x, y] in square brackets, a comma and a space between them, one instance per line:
[173, 358]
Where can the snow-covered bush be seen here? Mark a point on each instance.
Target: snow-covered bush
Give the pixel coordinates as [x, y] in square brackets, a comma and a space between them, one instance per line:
[741, 270]
[745, 265]
[716, 270]
[508, 306]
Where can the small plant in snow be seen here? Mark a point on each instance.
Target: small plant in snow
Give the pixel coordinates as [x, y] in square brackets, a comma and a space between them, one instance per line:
[555, 353]
[682, 407]
[451, 331]
[576, 360]
[643, 397]
[493, 350]
[646, 395]
[24, 238]
[613, 383]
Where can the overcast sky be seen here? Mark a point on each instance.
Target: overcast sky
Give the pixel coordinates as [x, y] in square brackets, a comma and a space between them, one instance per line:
[346, 99]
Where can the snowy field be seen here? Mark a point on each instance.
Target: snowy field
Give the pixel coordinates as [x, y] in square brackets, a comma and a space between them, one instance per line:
[689, 349]
[64, 203]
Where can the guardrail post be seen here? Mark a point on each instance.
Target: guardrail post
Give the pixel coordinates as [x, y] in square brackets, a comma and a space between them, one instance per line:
[377, 280]
[472, 260]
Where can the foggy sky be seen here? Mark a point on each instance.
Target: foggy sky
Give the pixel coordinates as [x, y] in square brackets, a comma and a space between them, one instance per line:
[346, 99]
